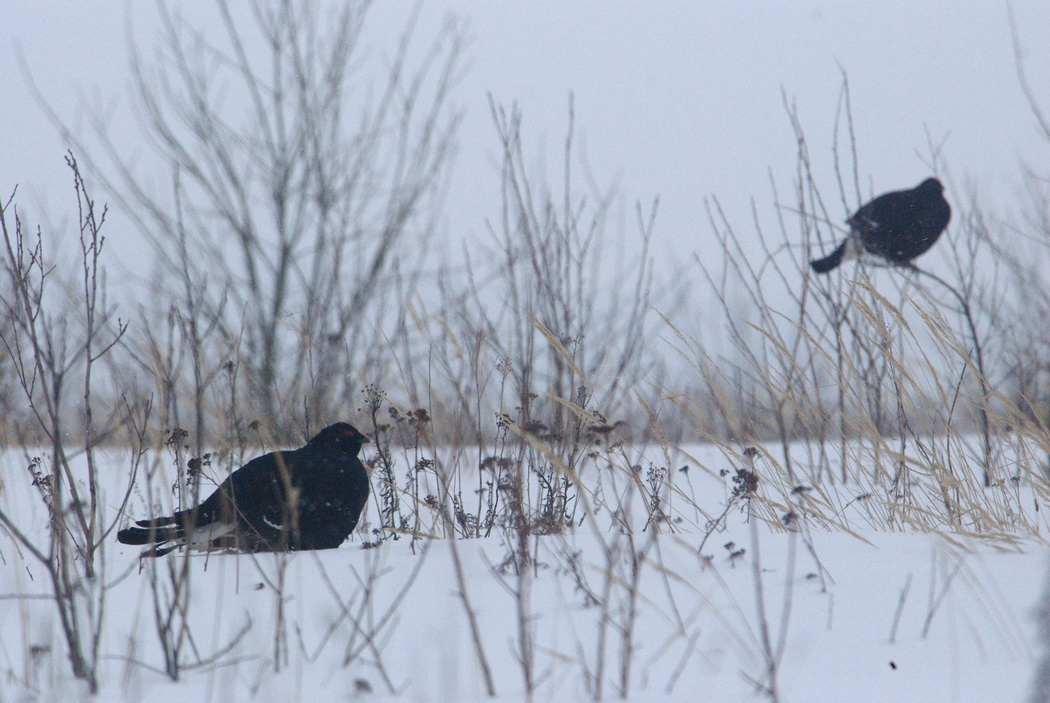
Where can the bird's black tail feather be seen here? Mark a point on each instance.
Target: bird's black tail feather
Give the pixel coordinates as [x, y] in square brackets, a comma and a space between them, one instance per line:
[830, 261]
[151, 531]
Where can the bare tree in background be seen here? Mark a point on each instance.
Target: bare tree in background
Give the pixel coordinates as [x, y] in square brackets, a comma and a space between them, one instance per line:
[1024, 248]
[569, 321]
[296, 179]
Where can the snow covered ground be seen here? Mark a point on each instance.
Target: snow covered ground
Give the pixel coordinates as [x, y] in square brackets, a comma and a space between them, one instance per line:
[853, 613]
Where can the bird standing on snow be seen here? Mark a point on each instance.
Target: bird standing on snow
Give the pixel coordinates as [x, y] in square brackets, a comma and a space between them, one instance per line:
[897, 226]
[308, 498]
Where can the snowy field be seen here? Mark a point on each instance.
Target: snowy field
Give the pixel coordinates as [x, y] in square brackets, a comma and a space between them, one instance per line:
[566, 231]
[831, 606]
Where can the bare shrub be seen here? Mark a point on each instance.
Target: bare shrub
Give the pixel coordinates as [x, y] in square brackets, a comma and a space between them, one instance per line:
[540, 313]
[887, 373]
[58, 331]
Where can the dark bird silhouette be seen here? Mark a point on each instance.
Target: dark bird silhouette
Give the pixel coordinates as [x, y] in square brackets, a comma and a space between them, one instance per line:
[897, 226]
[308, 498]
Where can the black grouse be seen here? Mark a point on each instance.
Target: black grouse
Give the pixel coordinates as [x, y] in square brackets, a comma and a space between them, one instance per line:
[897, 226]
[308, 498]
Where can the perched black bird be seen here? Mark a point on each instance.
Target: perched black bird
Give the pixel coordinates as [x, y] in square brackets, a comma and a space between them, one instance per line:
[897, 226]
[307, 498]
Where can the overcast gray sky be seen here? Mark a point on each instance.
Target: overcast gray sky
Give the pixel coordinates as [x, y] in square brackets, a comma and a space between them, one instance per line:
[679, 100]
